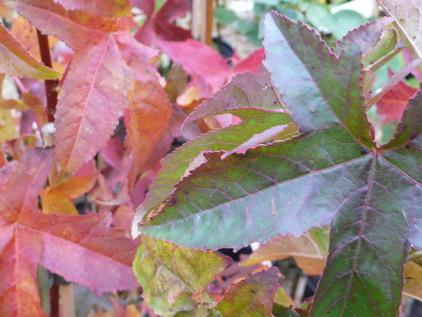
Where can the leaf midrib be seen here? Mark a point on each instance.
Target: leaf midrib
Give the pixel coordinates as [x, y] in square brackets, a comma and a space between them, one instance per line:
[361, 230]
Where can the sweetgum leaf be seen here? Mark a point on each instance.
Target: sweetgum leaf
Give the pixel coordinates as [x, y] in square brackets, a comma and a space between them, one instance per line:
[174, 278]
[26, 33]
[409, 126]
[244, 96]
[15, 60]
[97, 85]
[74, 28]
[110, 8]
[243, 91]
[366, 37]
[76, 247]
[252, 296]
[99, 78]
[198, 59]
[309, 251]
[408, 18]
[413, 280]
[149, 115]
[333, 174]
[394, 102]
[58, 199]
[160, 25]
[313, 100]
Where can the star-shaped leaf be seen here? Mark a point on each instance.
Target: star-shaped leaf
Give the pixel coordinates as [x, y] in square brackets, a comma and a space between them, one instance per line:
[76, 247]
[333, 174]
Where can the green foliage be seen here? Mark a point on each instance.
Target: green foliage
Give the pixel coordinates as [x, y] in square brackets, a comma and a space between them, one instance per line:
[334, 173]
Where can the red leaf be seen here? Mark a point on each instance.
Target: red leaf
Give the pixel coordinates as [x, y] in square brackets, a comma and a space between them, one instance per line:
[160, 26]
[76, 247]
[200, 60]
[251, 63]
[92, 101]
[149, 115]
[393, 103]
[74, 28]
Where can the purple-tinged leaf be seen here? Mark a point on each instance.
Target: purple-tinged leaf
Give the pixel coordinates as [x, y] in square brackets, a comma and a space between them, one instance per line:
[243, 97]
[243, 199]
[331, 175]
[243, 91]
[366, 37]
[302, 69]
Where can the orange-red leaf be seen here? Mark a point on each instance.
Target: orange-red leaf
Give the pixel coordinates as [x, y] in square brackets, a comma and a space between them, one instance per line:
[24, 32]
[76, 247]
[149, 115]
[103, 7]
[15, 60]
[59, 199]
[74, 28]
[92, 101]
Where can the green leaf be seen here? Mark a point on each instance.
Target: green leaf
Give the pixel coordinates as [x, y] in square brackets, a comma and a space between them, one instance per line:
[174, 278]
[333, 174]
[282, 298]
[251, 297]
[268, 2]
[224, 16]
[318, 14]
[295, 52]
[246, 96]
[269, 192]
[281, 311]
[343, 21]
[372, 38]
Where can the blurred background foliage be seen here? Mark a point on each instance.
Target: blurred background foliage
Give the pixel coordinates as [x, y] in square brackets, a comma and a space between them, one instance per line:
[332, 18]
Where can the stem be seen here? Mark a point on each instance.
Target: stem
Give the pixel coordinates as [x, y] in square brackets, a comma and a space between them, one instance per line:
[209, 18]
[51, 96]
[384, 60]
[54, 301]
[50, 85]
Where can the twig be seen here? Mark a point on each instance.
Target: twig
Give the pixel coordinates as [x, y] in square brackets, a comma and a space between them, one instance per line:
[51, 96]
[50, 85]
[54, 301]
